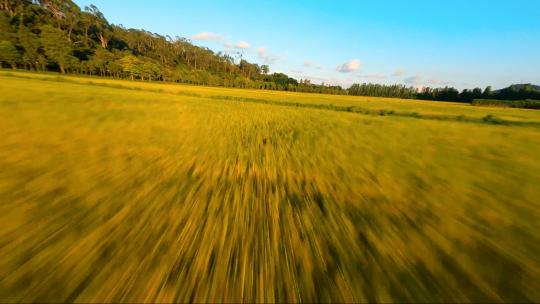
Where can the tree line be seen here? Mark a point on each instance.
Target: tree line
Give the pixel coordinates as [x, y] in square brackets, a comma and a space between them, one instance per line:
[513, 92]
[57, 35]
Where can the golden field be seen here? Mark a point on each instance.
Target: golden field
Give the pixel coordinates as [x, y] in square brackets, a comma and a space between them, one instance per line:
[119, 191]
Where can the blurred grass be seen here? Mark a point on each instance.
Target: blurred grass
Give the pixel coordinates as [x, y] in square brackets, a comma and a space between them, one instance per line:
[427, 108]
[116, 191]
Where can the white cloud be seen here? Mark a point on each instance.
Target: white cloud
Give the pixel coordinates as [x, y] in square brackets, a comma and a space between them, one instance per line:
[242, 45]
[229, 46]
[398, 73]
[207, 36]
[349, 66]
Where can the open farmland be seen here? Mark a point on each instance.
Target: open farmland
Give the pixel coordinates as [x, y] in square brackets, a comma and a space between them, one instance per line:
[129, 191]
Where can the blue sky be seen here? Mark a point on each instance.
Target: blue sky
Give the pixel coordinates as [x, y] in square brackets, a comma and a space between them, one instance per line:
[416, 42]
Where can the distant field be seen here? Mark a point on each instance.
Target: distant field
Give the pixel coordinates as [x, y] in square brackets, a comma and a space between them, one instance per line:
[144, 192]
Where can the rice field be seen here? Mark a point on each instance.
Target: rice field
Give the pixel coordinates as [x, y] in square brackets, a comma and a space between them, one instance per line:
[119, 191]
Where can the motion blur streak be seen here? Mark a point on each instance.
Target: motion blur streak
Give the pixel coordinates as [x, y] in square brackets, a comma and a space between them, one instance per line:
[117, 191]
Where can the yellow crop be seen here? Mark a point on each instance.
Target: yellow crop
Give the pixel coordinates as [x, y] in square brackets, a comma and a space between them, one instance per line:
[116, 191]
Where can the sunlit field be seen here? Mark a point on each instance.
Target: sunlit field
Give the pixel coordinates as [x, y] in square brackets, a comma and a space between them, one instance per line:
[142, 192]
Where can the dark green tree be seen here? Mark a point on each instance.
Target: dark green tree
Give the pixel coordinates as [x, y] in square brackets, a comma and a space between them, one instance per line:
[9, 54]
[6, 31]
[57, 47]
[487, 92]
[31, 45]
[131, 65]
[99, 25]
